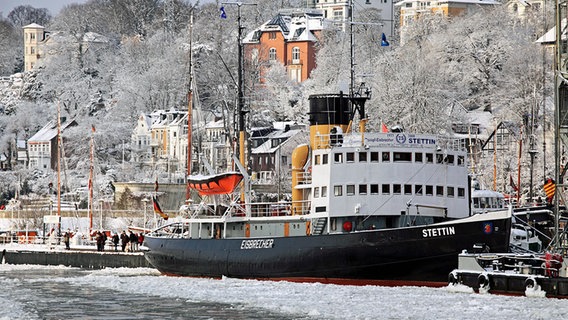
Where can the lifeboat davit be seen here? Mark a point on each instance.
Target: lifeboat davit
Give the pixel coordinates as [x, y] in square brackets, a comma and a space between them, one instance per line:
[223, 183]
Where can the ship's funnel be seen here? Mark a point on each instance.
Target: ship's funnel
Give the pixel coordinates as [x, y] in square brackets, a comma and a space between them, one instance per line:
[330, 115]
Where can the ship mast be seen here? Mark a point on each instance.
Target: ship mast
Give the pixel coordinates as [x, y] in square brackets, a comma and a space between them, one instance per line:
[92, 150]
[240, 93]
[189, 108]
[58, 169]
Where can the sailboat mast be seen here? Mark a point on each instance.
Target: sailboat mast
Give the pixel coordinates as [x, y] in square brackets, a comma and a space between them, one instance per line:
[189, 107]
[91, 152]
[59, 168]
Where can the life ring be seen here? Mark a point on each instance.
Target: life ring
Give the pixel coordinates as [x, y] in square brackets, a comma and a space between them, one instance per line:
[483, 281]
[530, 283]
[452, 278]
[22, 239]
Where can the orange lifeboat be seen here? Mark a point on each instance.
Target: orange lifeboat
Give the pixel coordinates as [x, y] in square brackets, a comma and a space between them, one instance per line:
[223, 183]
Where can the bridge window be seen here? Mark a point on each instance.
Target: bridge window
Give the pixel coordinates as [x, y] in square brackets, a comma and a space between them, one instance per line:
[362, 156]
[440, 191]
[418, 189]
[429, 190]
[386, 157]
[362, 189]
[429, 158]
[374, 189]
[338, 157]
[316, 192]
[350, 189]
[324, 191]
[396, 189]
[461, 161]
[450, 192]
[407, 189]
[450, 159]
[350, 157]
[324, 159]
[402, 156]
[338, 191]
[461, 192]
[374, 157]
[385, 189]
[418, 157]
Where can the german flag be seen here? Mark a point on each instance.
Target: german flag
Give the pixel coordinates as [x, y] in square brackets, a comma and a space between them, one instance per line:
[158, 210]
[549, 190]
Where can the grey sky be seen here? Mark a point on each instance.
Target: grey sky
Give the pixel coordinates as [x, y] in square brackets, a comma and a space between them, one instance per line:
[54, 6]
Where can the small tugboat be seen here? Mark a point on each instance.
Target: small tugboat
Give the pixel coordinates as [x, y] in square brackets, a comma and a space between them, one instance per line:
[514, 274]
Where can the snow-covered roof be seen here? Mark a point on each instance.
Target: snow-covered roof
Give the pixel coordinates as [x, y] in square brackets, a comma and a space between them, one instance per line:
[94, 37]
[33, 25]
[550, 35]
[266, 147]
[294, 26]
[49, 131]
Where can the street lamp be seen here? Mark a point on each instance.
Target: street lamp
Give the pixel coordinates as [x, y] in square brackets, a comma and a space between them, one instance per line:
[145, 201]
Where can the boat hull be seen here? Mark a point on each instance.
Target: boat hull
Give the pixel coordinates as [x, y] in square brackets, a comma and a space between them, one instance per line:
[425, 253]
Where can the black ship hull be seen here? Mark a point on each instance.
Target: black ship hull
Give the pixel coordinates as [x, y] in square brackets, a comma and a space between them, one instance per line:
[402, 255]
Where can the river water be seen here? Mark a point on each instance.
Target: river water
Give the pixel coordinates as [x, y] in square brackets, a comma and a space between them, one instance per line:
[43, 292]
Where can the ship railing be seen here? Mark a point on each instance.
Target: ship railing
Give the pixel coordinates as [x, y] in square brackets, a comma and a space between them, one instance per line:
[326, 141]
[304, 177]
[268, 209]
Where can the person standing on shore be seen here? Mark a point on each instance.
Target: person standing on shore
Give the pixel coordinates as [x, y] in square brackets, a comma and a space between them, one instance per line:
[133, 242]
[124, 238]
[67, 239]
[100, 241]
[115, 239]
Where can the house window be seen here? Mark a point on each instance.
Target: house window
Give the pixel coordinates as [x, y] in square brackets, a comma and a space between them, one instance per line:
[295, 55]
[272, 54]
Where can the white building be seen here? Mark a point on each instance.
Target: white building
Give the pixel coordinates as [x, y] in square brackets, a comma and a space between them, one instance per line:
[338, 10]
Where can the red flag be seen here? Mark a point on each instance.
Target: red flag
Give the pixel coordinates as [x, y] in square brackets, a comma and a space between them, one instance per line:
[156, 185]
[384, 127]
[158, 210]
[93, 128]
